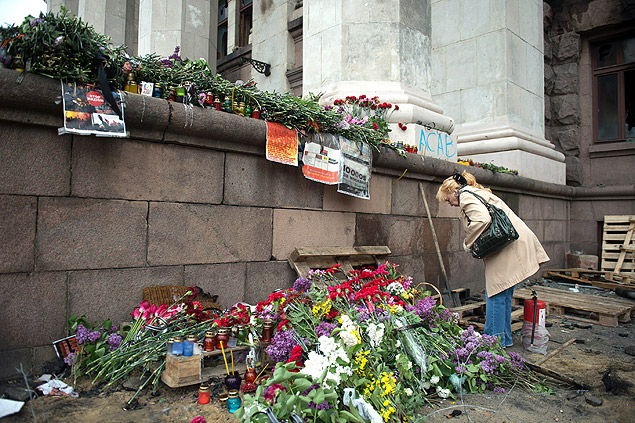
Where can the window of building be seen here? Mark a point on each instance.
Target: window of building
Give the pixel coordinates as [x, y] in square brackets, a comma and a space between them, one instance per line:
[245, 22]
[221, 34]
[614, 89]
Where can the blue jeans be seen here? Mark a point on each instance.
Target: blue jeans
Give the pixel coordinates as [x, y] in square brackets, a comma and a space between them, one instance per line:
[498, 316]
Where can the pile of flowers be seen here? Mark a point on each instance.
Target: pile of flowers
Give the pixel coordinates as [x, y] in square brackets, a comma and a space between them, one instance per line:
[370, 346]
[363, 111]
[488, 166]
[112, 354]
[94, 340]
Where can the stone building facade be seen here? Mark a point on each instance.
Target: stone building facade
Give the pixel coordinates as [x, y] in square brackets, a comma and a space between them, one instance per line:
[86, 223]
[472, 68]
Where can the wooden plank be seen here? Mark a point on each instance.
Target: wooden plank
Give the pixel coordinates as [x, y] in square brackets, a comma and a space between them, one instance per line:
[469, 307]
[562, 299]
[618, 218]
[576, 276]
[627, 242]
[555, 352]
[302, 253]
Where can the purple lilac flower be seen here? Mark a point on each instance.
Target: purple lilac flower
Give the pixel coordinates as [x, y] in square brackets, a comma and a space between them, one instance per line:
[460, 369]
[312, 387]
[281, 345]
[302, 285]
[114, 340]
[70, 359]
[94, 336]
[321, 406]
[324, 329]
[423, 308]
[488, 366]
[82, 334]
[36, 21]
[499, 390]
[362, 314]
[113, 329]
[517, 361]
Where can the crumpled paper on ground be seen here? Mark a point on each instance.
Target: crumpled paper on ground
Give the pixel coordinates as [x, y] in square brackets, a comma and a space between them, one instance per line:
[8, 407]
[57, 388]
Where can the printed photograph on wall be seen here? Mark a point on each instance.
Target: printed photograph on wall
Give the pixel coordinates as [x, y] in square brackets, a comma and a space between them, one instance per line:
[86, 112]
[355, 169]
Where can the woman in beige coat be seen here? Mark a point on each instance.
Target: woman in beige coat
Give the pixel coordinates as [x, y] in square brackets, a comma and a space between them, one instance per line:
[504, 269]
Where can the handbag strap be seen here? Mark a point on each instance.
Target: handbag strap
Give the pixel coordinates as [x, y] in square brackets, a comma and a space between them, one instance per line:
[485, 203]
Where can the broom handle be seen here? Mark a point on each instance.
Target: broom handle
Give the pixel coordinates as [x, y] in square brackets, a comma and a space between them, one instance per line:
[436, 244]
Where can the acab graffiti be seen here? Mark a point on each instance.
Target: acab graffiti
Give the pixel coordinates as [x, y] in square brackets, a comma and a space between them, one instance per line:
[436, 143]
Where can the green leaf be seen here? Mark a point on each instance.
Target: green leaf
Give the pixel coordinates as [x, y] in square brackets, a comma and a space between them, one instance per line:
[349, 416]
[100, 352]
[302, 384]
[319, 396]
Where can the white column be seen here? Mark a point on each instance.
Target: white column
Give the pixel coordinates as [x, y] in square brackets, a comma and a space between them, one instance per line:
[106, 16]
[232, 25]
[488, 72]
[272, 43]
[54, 6]
[165, 24]
[374, 47]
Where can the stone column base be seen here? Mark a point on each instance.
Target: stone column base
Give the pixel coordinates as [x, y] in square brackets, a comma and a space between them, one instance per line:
[414, 105]
[514, 148]
[429, 142]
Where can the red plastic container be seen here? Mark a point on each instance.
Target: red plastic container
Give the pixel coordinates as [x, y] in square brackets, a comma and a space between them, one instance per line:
[541, 312]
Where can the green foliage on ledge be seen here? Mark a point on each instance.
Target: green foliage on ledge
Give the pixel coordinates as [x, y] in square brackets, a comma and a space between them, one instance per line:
[63, 47]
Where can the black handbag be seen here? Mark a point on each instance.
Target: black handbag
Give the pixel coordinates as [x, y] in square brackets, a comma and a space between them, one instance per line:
[498, 234]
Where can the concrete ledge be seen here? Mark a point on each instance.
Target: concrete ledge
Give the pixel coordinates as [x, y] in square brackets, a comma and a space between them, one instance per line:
[162, 121]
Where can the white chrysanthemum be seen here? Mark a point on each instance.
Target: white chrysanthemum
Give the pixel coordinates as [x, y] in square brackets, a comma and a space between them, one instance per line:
[349, 339]
[398, 344]
[443, 393]
[425, 385]
[375, 333]
[408, 392]
[347, 324]
[434, 379]
[327, 345]
[314, 365]
[395, 288]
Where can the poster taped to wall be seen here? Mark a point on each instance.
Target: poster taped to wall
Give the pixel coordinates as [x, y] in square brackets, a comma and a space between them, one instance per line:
[355, 169]
[86, 112]
[282, 144]
[321, 158]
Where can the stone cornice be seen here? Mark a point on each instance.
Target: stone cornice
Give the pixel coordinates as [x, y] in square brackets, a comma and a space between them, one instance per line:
[37, 101]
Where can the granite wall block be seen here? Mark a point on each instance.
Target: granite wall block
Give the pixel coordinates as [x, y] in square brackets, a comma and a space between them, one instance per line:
[76, 233]
[32, 309]
[17, 233]
[115, 293]
[203, 234]
[127, 169]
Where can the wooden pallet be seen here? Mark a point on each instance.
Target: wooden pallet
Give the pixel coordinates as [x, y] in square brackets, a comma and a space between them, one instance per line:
[599, 278]
[474, 315]
[609, 311]
[302, 259]
[618, 245]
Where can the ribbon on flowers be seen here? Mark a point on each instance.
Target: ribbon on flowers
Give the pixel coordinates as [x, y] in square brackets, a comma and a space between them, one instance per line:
[365, 410]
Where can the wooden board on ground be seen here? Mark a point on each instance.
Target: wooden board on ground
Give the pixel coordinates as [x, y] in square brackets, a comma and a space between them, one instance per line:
[618, 244]
[602, 310]
[598, 278]
[302, 259]
[474, 314]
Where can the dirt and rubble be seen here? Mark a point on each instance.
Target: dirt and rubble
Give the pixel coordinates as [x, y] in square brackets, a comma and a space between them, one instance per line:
[602, 358]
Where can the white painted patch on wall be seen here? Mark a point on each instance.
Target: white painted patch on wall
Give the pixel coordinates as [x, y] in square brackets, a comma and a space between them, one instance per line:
[195, 16]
